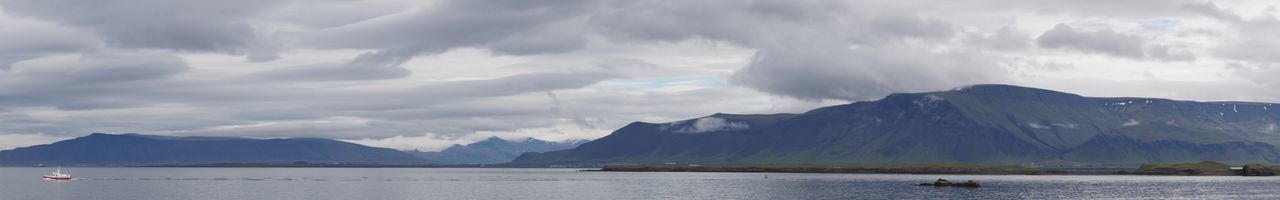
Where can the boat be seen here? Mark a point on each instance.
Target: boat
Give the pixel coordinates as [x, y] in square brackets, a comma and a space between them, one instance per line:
[58, 175]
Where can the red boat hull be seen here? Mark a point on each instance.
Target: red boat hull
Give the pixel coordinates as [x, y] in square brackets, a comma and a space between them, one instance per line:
[58, 178]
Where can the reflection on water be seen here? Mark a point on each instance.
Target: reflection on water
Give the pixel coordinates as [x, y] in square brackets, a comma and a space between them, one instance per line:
[383, 183]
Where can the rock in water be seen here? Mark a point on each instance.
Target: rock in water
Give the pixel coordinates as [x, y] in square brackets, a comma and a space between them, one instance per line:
[945, 183]
[942, 183]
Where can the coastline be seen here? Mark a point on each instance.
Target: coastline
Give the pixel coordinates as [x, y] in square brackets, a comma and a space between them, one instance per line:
[1190, 169]
[838, 169]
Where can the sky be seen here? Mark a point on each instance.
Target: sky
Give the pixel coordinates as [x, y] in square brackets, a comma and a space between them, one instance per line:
[412, 74]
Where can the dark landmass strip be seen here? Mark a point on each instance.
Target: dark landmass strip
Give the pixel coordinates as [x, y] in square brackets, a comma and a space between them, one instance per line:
[833, 168]
[1205, 168]
[360, 165]
[298, 165]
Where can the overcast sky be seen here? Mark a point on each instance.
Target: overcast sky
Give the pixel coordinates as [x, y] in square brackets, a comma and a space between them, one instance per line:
[412, 74]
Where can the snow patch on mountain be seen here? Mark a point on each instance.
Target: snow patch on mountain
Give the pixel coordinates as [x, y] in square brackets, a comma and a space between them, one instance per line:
[710, 124]
[1065, 125]
[1131, 122]
[928, 101]
[1036, 125]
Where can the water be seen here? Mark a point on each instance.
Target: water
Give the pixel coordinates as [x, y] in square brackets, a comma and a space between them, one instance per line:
[414, 183]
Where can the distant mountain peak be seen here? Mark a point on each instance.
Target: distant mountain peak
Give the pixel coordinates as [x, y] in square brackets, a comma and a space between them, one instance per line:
[1002, 89]
[495, 139]
[994, 86]
[495, 150]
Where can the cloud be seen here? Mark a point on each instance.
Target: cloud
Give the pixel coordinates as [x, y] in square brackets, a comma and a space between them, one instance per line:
[367, 66]
[811, 49]
[517, 84]
[397, 72]
[761, 24]
[1262, 74]
[95, 68]
[1212, 10]
[55, 80]
[10, 141]
[1108, 42]
[22, 39]
[1256, 41]
[862, 74]
[186, 25]
[502, 26]
[1005, 39]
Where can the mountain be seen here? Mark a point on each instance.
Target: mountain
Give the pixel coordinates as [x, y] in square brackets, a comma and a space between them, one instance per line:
[135, 149]
[986, 124]
[494, 150]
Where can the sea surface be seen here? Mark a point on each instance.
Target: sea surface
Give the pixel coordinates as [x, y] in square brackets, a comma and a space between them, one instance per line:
[471, 183]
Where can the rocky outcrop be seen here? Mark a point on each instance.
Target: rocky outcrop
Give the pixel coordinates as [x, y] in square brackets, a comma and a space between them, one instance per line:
[945, 183]
[1257, 170]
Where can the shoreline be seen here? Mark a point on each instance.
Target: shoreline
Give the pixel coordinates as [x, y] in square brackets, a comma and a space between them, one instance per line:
[927, 173]
[923, 171]
[939, 169]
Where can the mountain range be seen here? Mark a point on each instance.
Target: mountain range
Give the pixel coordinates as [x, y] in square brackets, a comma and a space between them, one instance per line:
[494, 150]
[100, 149]
[986, 124]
